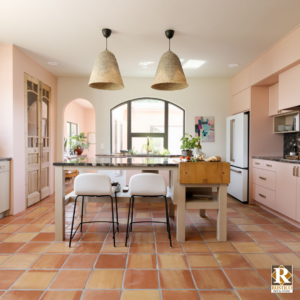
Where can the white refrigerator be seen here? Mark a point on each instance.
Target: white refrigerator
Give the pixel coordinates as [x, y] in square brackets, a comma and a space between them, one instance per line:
[237, 153]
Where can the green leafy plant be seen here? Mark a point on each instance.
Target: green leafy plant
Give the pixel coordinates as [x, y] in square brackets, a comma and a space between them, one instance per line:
[65, 144]
[79, 140]
[188, 142]
[132, 152]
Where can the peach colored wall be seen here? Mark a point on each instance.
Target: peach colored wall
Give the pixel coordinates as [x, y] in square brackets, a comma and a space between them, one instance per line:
[85, 118]
[24, 64]
[6, 101]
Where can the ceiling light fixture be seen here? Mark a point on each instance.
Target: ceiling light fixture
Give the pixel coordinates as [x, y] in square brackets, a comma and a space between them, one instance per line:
[52, 63]
[106, 74]
[193, 64]
[233, 65]
[169, 74]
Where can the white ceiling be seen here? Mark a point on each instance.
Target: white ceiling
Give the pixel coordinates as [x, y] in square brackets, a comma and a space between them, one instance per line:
[83, 103]
[217, 31]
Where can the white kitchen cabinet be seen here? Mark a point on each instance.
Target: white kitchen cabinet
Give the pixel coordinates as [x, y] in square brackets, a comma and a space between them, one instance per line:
[4, 185]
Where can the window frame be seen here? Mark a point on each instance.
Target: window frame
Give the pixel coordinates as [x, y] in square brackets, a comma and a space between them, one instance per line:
[69, 133]
[130, 134]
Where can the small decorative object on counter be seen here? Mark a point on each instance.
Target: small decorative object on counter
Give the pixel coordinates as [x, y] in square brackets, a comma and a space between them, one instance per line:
[188, 143]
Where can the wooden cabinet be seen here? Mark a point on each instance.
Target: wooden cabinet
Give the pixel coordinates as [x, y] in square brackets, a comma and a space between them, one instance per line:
[261, 68]
[286, 51]
[289, 88]
[240, 81]
[240, 102]
[286, 189]
[273, 99]
[4, 186]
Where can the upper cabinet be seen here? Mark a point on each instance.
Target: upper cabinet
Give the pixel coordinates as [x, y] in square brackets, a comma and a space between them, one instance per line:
[289, 88]
[273, 99]
[286, 51]
[240, 81]
[261, 68]
[240, 102]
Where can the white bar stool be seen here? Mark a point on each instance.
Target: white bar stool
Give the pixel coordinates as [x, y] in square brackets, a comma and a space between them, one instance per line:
[147, 185]
[94, 185]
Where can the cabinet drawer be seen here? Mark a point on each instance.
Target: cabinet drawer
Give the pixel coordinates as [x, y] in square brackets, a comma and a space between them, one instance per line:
[4, 166]
[264, 196]
[269, 165]
[258, 163]
[264, 178]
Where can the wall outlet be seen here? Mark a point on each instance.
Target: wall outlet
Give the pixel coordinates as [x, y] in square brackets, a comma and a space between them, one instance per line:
[101, 146]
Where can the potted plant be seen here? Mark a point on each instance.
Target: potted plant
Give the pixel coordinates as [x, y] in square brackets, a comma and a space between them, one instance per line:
[79, 143]
[188, 143]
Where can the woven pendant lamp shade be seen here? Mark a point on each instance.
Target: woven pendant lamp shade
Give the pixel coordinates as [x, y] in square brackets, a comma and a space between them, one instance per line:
[169, 75]
[106, 74]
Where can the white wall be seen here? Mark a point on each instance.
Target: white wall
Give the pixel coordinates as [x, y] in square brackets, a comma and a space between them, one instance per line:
[203, 97]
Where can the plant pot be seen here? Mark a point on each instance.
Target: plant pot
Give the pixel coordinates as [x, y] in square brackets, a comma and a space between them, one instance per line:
[78, 150]
[187, 152]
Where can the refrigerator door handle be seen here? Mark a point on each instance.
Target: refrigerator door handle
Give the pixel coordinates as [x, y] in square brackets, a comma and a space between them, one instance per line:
[231, 140]
[236, 171]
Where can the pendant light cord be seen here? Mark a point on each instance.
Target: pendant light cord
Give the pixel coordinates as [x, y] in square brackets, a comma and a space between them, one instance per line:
[169, 44]
[106, 43]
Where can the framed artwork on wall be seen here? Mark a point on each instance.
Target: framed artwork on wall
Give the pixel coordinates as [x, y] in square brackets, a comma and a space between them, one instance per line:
[205, 128]
[91, 137]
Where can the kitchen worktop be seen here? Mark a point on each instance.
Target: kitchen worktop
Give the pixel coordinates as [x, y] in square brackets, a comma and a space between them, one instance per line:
[5, 158]
[138, 155]
[120, 162]
[277, 158]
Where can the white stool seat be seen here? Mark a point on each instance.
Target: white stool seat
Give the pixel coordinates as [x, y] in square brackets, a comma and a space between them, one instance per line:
[93, 184]
[147, 184]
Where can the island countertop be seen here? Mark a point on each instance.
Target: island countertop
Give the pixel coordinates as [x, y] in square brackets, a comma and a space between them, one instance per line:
[120, 162]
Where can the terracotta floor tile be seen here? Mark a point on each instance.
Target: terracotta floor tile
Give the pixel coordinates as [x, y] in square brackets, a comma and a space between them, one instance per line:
[164, 248]
[218, 295]
[290, 227]
[270, 228]
[79, 261]
[295, 246]
[141, 261]
[195, 248]
[179, 295]
[141, 279]
[8, 278]
[288, 259]
[233, 260]
[70, 279]
[260, 261]
[260, 221]
[97, 295]
[43, 221]
[20, 237]
[62, 295]
[241, 221]
[275, 247]
[19, 261]
[116, 261]
[88, 248]
[211, 236]
[173, 261]
[256, 294]
[142, 237]
[109, 248]
[94, 237]
[6, 248]
[247, 247]
[32, 228]
[163, 237]
[244, 278]
[7, 219]
[22, 221]
[142, 228]
[50, 261]
[34, 248]
[285, 236]
[48, 228]
[106, 279]
[35, 280]
[221, 247]
[142, 248]
[265, 275]
[292, 296]
[261, 236]
[99, 228]
[3, 258]
[141, 294]
[236, 236]
[192, 237]
[4, 236]
[44, 237]
[176, 279]
[247, 228]
[211, 279]
[198, 261]
[24, 295]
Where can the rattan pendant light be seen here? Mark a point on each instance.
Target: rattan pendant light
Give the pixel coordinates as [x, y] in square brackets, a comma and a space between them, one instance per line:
[169, 74]
[106, 74]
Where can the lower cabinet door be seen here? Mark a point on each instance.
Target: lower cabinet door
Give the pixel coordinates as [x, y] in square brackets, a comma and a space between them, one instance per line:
[264, 196]
[298, 200]
[286, 190]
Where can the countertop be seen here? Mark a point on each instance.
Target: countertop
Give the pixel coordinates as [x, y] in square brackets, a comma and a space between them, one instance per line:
[138, 155]
[120, 162]
[277, 158]
[5, 158]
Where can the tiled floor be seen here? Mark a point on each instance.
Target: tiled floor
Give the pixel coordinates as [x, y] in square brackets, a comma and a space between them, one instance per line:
[33, 266]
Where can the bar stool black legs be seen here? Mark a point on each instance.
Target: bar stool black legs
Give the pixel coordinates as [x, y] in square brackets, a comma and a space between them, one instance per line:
[130, 224]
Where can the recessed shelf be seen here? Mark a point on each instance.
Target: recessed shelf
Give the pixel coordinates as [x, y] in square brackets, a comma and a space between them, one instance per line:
[286, 119]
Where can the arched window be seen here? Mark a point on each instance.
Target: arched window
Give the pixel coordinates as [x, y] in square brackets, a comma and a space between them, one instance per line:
[147, 125]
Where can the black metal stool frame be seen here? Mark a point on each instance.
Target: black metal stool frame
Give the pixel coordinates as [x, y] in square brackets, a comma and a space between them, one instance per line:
[131, 204]
[112, 212]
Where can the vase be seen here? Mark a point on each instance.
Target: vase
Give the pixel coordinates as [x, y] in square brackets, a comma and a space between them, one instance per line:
[187, 152]
[78, 150]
